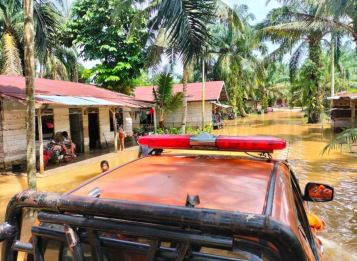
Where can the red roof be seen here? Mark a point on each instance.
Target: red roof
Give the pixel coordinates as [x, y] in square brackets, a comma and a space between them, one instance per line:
[347, 94]
[14, 86]
[194, 91]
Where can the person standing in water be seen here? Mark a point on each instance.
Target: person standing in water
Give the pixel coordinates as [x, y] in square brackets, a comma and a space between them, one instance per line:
[121, 138]
[104, 166]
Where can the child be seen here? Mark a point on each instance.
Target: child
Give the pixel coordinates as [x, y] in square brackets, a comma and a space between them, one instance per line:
[121, 138]
[104, 166]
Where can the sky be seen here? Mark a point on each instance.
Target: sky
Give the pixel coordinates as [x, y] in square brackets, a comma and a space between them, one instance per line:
[257, 7]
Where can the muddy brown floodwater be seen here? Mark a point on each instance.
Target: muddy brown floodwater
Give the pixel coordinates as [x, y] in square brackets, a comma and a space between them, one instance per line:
[306, 142]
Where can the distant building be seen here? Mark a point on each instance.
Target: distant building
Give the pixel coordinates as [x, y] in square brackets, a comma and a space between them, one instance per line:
[215, 93]
[84, 111]
[343, 110]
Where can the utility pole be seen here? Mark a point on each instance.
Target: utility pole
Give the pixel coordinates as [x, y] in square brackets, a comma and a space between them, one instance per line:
[30, 93]
[203, 94]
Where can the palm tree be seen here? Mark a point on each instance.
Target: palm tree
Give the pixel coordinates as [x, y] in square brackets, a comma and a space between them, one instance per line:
[30, 92]
[288, 27]
[46, 24]
[11, 19]
[184, 26]
[236, 61]
[165, 100]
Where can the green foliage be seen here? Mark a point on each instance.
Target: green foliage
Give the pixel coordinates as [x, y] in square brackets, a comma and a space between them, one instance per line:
[347, 137]
[143, 80]
[186, 25]
[235, 60]
[189, 130]
[102, 36]
[46, 23]
[307, 88]
[165, 100]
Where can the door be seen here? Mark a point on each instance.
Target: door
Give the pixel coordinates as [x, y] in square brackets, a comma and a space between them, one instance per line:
[93, 129]
[76, 126]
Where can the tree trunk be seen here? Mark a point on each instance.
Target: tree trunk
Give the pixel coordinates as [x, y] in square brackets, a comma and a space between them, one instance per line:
[162, 120]
[11, 56]
[315, 54]
[30, 91]
[184, 100]
[75, 75]
[240, 102]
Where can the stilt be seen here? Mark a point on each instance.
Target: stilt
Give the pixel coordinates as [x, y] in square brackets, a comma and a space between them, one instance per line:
[115, 130]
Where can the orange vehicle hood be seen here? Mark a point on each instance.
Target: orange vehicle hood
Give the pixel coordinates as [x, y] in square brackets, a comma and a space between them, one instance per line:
[221, 182]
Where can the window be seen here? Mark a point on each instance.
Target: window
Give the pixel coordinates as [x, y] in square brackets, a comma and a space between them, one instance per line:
[303, 222]
[47, 125]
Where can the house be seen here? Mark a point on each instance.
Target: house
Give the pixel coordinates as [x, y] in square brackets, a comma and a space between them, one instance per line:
[343, 110]
[215, 93]
[85, 111]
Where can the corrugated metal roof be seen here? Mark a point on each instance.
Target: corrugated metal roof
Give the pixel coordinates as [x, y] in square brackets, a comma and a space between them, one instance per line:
[77, 101]
[214, 90]
[14, 87]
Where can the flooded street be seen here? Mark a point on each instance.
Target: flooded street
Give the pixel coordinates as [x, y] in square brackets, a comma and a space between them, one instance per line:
[306, 143]
[338, 169]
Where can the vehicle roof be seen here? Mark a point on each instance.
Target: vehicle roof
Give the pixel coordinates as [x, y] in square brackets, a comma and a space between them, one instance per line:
[222, 182]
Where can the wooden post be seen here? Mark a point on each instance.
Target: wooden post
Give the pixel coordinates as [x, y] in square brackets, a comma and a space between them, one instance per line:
[203, 94]
[40, 138]
[155, 122]
[353, 113]
[115, 130]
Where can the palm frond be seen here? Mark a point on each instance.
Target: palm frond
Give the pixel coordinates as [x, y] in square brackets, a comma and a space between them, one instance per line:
[186, 22]
[295, 60]
[47, 24]
[347, 137]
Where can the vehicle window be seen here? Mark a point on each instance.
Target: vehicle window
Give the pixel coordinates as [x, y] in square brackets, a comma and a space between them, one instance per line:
[116, 247]
[303, 223]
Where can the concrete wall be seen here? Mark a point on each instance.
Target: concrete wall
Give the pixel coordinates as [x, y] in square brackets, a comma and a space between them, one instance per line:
[61, 120]
[106, 136]
[194, 115]
[85, 131]
[127, 122]
[135, 118]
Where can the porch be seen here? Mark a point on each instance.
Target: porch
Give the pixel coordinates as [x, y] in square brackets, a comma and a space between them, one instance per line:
[343, 111]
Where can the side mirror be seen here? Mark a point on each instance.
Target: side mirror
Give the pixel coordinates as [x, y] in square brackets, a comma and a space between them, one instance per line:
[317, 192]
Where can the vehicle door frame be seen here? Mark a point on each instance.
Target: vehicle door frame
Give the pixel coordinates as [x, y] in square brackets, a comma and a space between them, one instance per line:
[302, 215]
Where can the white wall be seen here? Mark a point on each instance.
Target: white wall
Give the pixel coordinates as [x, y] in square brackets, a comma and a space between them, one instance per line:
[104, 127]
[194, 115]
[127, 122]
[14, 132]
[61, 120]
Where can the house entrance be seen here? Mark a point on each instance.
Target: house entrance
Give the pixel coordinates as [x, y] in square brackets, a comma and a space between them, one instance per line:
[93, 129]
[76, 126]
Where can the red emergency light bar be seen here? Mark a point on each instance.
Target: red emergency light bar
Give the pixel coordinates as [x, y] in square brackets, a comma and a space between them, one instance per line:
[207, 141]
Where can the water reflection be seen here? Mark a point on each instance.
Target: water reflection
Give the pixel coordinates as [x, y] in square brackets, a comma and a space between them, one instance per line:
[339, 169]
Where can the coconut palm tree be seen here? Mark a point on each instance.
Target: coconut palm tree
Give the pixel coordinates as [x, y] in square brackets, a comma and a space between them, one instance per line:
[236, 60]
[30, 92]
[184, 26]
[46, 24]
[165, 100]
[288, 27]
